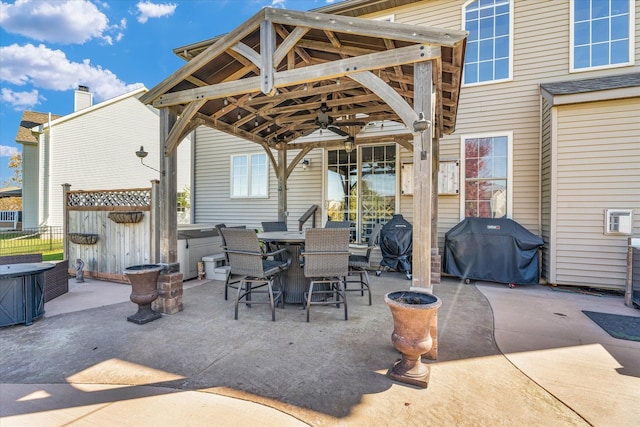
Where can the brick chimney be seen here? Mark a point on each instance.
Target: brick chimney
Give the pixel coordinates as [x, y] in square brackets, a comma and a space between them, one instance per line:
[82, 98]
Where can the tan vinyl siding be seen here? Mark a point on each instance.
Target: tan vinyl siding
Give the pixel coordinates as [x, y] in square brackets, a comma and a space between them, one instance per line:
[440, 13]
[598, 156]
[304, 188]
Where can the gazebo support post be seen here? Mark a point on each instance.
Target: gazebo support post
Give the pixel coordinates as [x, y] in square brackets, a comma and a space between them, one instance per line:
[170, 281]
[422, 197]
[422, 153]
[282, 184]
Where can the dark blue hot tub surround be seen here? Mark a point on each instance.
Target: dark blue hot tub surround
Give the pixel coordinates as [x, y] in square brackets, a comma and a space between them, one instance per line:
[22, 292]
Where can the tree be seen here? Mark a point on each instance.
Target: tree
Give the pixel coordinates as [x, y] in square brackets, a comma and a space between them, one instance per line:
[15, 163]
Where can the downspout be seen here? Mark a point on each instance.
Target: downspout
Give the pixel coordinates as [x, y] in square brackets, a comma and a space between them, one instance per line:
[539, 159]
[46, 161]
[540, 252]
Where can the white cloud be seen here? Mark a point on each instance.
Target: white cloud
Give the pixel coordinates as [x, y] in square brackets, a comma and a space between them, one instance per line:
[20, 100]
[7, 151]
[148, 10]
[56, 21]
[45, 68]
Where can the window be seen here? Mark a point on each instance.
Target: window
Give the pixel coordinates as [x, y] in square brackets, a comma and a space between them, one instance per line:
[487, 58]
[362, 187]
[601, 33]
[618, 221]
[249, 175]
[487, 176]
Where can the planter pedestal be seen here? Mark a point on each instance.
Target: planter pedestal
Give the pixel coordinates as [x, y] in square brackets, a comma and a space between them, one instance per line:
[144, 291]
[413, 313]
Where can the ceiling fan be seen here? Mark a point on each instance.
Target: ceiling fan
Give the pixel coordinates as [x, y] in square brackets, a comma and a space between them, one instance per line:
[324, 121]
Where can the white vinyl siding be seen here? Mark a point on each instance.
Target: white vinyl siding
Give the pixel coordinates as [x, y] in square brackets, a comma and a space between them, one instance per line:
[94, 149]
[29, 185]
[598, 153]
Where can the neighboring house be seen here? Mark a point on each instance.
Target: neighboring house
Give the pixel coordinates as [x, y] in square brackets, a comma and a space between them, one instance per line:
[547, 133]
[10, 208]
[93, 148]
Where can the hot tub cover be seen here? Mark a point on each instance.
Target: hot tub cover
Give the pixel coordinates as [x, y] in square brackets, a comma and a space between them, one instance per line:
[496, 250]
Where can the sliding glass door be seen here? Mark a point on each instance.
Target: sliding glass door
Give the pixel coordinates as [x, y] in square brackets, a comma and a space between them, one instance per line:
[362, 187]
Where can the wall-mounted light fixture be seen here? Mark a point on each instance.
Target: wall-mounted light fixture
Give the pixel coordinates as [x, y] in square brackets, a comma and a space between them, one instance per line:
[141, 155]
[348, 144]
[305, 164]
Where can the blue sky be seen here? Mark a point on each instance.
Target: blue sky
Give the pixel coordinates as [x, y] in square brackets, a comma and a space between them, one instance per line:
[49, 47]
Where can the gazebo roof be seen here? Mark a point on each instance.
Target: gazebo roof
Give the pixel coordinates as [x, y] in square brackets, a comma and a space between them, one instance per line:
[270, 79]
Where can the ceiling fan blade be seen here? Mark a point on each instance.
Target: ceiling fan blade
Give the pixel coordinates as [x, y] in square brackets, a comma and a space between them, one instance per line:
[337, 131]
[346, 123]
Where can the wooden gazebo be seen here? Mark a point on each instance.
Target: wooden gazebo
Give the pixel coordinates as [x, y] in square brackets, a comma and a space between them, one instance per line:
[282, 74]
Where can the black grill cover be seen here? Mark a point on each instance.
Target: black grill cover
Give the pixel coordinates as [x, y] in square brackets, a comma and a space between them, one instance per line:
[496, 250]
[396, 244]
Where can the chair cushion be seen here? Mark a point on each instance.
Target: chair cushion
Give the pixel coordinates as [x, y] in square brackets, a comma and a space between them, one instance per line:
[271, 267]
[358, 261]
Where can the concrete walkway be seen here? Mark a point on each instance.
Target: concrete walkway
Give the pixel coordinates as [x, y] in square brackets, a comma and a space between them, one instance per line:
[523, 356]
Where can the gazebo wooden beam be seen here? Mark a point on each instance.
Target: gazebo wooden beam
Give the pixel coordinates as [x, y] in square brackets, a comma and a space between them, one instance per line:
[330, 70]
[365, 27]
[201, 60]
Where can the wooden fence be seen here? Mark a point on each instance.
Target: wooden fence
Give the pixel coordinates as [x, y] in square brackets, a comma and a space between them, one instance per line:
[109, 230]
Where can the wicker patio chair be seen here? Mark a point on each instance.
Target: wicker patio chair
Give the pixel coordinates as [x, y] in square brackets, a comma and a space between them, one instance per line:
[268, 226]
[326, 263]
[338, 224]
[259, 269]
[230, 281]
[358, 264]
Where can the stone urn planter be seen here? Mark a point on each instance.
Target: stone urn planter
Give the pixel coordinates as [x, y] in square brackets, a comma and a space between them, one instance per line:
[413, 313]
[144, 291]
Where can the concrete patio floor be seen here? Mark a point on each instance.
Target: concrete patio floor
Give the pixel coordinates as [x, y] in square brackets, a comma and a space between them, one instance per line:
[523, 356]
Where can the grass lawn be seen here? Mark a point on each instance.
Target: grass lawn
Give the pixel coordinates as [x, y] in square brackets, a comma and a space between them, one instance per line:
[52, 256]
[17, 243]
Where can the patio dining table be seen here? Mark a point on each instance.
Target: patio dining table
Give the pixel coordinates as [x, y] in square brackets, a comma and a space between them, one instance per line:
[295, 283]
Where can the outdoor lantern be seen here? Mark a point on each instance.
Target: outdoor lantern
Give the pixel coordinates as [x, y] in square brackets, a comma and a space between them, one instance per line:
[141, 155]
[348, 144]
